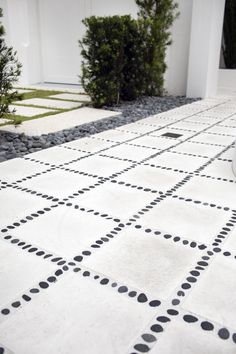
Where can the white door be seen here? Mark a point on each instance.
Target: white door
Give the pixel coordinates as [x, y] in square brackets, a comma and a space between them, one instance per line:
[61, 27]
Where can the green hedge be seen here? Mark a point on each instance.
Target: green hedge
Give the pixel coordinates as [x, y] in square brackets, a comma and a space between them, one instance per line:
[156, 17]
[112, 52]
[124, 58]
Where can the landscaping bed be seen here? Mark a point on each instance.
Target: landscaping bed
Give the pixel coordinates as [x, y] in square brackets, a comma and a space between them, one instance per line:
[16, 145]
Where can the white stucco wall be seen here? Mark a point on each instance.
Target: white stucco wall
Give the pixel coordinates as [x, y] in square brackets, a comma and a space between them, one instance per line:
[61, 28]
[227, 79]
[22, 26]
[111, 7]
[178, 52]
[205, 44]
[45, 34]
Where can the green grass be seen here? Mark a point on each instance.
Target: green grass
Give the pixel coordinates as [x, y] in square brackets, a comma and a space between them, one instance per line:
[16, 119]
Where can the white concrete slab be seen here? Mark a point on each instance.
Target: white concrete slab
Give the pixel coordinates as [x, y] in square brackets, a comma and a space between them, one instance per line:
[72, 97]
[77, 231]
[220, 277]
[210, 190]
[59, 183]
[115, 200]
[19, 271]
[77, 313]
[46, 102]
[180, 162]
[191, 221]
[57, 87]
[4, 121]
[19, 90]
[88, 144]
[29, 111]
[11, 199]
[17, 169]
[56, 155]
[61, 121]
[140, 254]
[99, 165]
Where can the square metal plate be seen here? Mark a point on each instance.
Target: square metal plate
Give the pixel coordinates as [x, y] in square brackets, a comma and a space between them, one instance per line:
[172, 135]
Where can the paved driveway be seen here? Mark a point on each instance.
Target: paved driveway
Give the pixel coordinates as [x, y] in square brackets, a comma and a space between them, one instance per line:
[124, 242]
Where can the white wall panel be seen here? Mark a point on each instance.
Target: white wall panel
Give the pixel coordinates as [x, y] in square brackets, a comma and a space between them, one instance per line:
[113, 7]
[61, 28]
[178, 52]
[206, 33]
[21, 21]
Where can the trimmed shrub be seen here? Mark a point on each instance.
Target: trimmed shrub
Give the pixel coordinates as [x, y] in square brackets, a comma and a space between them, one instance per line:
[124, 58]
[157, 17]
[133, 73]
[10, 70]
[112, 66]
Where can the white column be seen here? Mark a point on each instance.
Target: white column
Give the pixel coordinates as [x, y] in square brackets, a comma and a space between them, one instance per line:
[23, 35]
[177, 53]
[205, 42]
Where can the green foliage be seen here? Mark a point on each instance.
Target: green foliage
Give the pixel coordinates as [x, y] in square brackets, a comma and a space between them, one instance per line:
[112, 59]
[157, 17]
[229, 46]
[124, 58]
[10, 70]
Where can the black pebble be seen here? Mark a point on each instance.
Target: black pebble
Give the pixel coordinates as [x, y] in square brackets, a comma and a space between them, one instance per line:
[207, 326]
[86, 274]
[78, 258]
[43, 285]
[143, 348]
[132, 293]
[142, 298]
[157, 328]
[163, 319]
[122, 289]
[154, 303]
[149, 337]
[190, 318]
[5, 311]
[223, 333]
[172, 312]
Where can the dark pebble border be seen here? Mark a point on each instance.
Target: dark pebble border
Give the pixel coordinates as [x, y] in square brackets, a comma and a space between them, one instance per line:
[27, 296]
[17, 145]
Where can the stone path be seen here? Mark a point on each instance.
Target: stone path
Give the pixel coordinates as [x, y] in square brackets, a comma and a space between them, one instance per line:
[72, 97]
[57, 87]
[29, 111]
[124, 242]
[60, 121]
[19, 90]
[47, 102]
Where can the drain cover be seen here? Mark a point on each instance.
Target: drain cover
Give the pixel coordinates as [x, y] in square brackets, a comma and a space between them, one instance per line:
[172, 135]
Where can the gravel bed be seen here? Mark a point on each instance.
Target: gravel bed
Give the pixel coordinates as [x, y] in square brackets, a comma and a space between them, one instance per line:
[16, 145]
